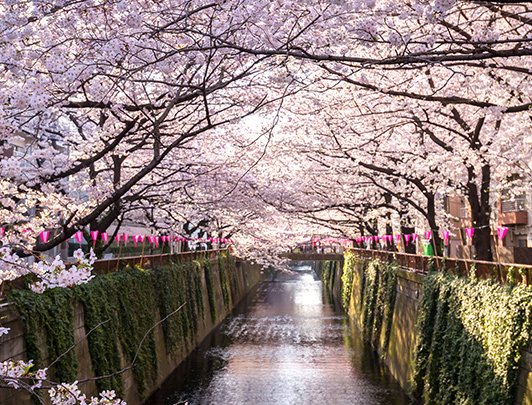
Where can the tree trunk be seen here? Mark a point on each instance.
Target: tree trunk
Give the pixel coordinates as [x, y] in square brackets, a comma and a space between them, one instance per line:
[480, 215]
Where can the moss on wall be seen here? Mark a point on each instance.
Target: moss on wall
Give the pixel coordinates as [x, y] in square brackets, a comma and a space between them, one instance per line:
[451, 339]
[471, 334]
[209, 282]
[379, 290]
[119, 309]
[48, 318]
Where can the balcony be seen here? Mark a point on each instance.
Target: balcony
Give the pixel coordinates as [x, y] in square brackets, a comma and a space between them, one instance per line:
[513, 212]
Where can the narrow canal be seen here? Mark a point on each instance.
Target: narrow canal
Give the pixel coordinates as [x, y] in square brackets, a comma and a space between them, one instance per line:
[284, 344]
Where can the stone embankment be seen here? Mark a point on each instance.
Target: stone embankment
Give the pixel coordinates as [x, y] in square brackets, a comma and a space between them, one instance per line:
[446, 338]
[121, 307]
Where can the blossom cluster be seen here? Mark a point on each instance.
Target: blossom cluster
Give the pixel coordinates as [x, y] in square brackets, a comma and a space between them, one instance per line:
[17, 373]
[50, 275]
[69, 394]
[56, 274]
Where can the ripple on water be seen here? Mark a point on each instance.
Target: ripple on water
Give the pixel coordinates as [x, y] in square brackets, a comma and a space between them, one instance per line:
[284, 346]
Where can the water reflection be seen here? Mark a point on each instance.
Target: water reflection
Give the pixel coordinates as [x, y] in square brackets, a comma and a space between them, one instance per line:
[282, 345]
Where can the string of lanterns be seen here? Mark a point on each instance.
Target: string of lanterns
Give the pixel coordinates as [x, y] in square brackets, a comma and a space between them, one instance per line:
[78, 236]
[501, 233]
[151, 239]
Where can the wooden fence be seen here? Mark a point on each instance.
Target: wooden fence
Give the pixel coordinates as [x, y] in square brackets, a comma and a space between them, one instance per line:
[105, 266]
[502, 272]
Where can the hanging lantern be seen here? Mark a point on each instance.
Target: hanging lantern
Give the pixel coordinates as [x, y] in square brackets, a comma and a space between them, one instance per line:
[501, 233]
[44, 236]
[94, 236]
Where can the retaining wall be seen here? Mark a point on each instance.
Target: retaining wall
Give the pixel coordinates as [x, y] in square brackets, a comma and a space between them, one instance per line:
[12, 345]
[399, 355]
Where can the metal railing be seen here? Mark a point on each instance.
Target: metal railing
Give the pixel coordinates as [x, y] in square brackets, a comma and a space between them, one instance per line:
[479, 269]
[104, 266]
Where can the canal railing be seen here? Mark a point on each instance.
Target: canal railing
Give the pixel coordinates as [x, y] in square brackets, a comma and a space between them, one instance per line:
[104, 266]
[110, 265]
[501, 272]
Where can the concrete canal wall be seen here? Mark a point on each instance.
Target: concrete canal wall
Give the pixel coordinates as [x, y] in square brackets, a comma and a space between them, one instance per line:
[223, 288]
[396, 336]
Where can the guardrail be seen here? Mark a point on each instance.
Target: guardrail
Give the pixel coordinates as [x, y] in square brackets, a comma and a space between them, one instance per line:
[105, 266]
[482, 270]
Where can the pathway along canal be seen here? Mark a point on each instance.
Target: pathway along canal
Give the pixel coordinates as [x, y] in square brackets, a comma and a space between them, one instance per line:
[284, 344]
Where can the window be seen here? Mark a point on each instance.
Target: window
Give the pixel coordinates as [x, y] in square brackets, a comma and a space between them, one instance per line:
[521, 242]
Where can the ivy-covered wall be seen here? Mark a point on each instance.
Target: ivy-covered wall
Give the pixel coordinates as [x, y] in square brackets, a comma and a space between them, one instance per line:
[113, 312]
[330, 273]
[447, 339]
[471, 336]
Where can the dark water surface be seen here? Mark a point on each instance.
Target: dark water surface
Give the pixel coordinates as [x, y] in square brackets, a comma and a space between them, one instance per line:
[284, 344]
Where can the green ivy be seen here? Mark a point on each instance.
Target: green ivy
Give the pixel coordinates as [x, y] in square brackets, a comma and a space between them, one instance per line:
[522, 271]
[389, 290]
[328, 278]
[379, 294]
[48, 321]
[119, 309]
[473, 271]
[122, 304]
[209, 282]
[351, 264]
[326, 273]
[332, 278]
[222, 270]
[470, 338]
[176, 284]
[431, 264]
[510, 276]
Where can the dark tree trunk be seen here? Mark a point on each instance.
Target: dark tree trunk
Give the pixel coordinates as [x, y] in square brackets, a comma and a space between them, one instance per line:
[431, 218]
[480, 215]
[411, 247]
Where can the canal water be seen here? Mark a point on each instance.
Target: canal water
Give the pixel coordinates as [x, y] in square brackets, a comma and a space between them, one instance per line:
[286, 343]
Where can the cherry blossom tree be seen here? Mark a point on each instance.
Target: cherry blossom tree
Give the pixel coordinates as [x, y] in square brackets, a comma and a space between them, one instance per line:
[137, 109]
[109, 100]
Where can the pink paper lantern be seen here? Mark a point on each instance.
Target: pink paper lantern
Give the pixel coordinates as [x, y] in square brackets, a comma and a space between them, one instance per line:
[501, 233]
[94, 236]
[44, 236]
[469, 233]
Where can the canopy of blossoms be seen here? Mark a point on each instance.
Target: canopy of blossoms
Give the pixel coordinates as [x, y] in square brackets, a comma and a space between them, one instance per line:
[267, 122]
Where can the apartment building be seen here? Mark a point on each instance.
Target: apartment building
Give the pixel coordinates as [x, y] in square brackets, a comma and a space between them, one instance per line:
[513, 213]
